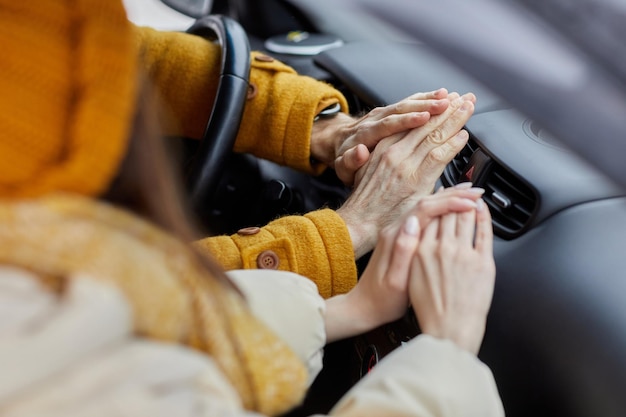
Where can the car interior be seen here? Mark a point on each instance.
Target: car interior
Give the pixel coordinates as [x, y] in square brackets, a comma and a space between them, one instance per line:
[546, 143]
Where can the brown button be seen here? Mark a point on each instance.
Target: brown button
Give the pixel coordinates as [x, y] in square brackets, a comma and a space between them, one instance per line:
[246, 231]
[263, 58]
[267, 260]
[252, 91]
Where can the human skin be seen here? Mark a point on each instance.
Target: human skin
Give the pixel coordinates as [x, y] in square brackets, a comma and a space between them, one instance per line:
[344, 142]
[402, 169]
[381, 294]
[453, 276]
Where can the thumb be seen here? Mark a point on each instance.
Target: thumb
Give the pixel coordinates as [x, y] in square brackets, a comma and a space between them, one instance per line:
[347, 164]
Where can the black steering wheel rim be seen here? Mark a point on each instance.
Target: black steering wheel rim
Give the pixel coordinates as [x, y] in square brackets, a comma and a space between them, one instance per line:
[221, 131]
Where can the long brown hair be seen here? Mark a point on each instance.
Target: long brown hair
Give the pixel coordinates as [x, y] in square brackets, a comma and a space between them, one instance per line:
[149, 185]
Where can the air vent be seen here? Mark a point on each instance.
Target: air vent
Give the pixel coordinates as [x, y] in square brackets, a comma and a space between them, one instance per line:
[511, 202]
[453, 170]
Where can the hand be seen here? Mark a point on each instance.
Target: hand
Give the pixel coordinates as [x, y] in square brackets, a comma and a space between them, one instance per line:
[402, 169]
[344, 143]
[381, 294]
[452, 277]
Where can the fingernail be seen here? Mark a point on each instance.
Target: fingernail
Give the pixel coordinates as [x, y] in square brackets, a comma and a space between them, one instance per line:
[480, 205]
[440, 189]
[469, 96]
[476, 190]
[411, 226]
[463, 185]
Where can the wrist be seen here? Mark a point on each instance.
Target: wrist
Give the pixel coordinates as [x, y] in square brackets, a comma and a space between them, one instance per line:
[362, 235]
[326, 135]
[348, 315]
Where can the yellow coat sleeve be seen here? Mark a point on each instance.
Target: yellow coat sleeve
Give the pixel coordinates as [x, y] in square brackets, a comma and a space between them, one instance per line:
[276, 126]
[316, 245]
[279, 112]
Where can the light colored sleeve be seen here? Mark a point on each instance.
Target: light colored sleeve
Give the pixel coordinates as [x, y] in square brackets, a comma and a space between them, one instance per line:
[290, 305]
[427, 377]
[76, 356]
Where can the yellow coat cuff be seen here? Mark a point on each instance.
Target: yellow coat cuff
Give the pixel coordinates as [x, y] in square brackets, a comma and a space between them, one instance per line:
[278, 119]
[316, 245]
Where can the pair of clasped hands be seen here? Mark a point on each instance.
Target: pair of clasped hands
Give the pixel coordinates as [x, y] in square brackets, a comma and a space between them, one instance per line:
[433, 251]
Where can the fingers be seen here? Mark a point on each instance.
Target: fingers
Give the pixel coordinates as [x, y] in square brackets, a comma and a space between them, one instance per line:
[389, 123]
[436, 159]
[418, 105]
[448, 124]
[446, 201]
[425, 270]
[381, 294]
[427, 143]
[466, 222]
[404, 248]
[484, 230]
[348, 163]
[447, 231]
[452, 278]
[439, 93]
[429, 235]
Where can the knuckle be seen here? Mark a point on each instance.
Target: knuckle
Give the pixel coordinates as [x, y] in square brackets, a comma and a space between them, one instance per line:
[388, 157]
[377, 111]
[386, 124]
[438, 155]
[436, 136]
[399, 107]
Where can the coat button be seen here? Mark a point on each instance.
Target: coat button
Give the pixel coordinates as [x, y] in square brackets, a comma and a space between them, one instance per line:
[247, 231]
[267, 260]
[252, 91]
[263, 58]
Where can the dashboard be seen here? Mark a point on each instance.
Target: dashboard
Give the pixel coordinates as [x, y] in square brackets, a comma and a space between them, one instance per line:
[556, 336]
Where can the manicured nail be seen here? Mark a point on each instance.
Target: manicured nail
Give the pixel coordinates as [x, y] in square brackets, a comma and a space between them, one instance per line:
[469, 96]
[463, 185]
[476, 190]
[411, 226]
[480, 205]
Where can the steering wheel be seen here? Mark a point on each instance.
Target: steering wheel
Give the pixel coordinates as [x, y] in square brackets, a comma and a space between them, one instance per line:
[221, 131]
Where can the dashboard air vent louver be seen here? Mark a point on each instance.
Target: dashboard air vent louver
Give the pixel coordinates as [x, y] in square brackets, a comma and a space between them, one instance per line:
[453, 171]
[511, 202]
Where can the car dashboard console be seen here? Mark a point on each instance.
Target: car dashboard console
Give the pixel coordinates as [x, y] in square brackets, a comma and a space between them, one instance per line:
[557, 221]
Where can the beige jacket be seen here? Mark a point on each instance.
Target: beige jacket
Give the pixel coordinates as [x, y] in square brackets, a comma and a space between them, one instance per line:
[77, 356]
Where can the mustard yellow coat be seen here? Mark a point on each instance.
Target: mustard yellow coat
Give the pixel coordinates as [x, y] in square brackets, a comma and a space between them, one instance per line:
[276, 126]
